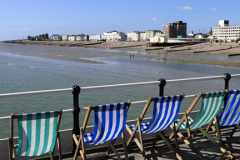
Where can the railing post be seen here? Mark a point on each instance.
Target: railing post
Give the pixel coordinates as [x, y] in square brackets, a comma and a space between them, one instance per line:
[228, 77]
[161, 86]
[76, 111]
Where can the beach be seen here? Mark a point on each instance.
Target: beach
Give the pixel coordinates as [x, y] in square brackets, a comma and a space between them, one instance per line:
[180, 53]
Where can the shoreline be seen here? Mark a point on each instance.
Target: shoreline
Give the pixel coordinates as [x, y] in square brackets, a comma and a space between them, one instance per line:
[196, 49]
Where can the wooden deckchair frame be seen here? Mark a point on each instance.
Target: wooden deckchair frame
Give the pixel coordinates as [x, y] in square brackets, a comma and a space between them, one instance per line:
[12, 147]
[140, 143]
[235, 127]
[79, 140]
[189, 139]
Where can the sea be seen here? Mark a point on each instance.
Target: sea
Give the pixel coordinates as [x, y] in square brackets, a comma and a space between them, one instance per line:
[41, 67]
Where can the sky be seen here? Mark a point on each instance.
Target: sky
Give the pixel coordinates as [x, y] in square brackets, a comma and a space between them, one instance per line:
[22, 18]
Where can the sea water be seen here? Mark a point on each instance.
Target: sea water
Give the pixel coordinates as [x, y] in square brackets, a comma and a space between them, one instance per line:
[22, 72]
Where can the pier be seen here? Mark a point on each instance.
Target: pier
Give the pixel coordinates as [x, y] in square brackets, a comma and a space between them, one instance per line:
[66, 135]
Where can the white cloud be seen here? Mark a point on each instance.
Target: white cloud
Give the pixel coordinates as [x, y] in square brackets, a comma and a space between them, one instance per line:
[154, 19]
[212, 9]
[185, 8]
[25, 29]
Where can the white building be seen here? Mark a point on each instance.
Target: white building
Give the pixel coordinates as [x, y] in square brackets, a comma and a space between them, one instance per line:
[95, 37]
[133, 36]
[142, 36]
[114, 36]
[159, 38]
[151, 33]
[225, 32]
[72, 38]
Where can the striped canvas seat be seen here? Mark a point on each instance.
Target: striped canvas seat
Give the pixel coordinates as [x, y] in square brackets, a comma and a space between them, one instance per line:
[165, 111]
[37, 132]
[110, 121]
[211, 105]
[231, 113]
[183, 125]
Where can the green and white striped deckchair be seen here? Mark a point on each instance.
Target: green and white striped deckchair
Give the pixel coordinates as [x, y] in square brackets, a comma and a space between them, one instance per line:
[37, 134]
[211, 105]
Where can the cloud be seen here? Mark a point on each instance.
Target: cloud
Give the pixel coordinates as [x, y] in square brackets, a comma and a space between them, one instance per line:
[154, 19]
[185, 8]
[167, 8]
[25, 29]
[212, 9]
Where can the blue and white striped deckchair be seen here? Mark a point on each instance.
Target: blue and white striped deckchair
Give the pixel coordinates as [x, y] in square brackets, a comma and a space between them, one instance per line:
[165, 111]
[37, 133]
[211, 105]
[110, 121]
[231, 113]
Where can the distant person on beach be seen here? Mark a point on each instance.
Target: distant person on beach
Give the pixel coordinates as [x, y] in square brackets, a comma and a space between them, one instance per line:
[133, 56]
[130, 56]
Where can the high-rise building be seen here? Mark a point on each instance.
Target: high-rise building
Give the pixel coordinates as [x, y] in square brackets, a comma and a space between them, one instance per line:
[172, 30]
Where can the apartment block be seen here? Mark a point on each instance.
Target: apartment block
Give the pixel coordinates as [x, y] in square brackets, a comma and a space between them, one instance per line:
[172, 30]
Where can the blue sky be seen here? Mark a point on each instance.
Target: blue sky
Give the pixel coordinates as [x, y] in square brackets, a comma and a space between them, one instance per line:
[20, 18]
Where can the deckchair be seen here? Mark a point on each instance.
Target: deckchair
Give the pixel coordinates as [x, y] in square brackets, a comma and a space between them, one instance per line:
[37, 134]
[211, 105]
[165, 110]
[230, 116]
[110, 122]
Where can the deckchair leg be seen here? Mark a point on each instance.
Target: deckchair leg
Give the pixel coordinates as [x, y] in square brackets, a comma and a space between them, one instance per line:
[82, 152]
[10, 146]
[110, 148]
[141, 138]
[124, 146]
[78, 143]
[175, 136]
[59, 146]
[189, 133]
[114, 150]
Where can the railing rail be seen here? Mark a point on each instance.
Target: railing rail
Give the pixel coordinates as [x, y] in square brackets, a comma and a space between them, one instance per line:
[94, 88]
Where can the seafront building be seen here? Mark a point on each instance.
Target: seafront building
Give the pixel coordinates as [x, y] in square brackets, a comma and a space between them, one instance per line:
[226, 33]
[133, 36]
[95, 37]
[114, 36]
[173, 30]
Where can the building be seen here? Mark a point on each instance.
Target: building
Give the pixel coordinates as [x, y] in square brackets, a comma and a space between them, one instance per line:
[71, 38]
[151, 33]
[114, 36]
[133, 36]
[142, 36]
[64, 37]
[226, 33]
[172, 30]
[56, 37]
[95, 37]
[82, 37]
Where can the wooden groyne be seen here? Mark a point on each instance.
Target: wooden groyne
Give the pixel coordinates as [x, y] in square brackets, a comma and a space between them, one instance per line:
[234, 54]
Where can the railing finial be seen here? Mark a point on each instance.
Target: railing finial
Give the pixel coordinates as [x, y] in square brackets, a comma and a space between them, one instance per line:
[228, 77]
[161, 86]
